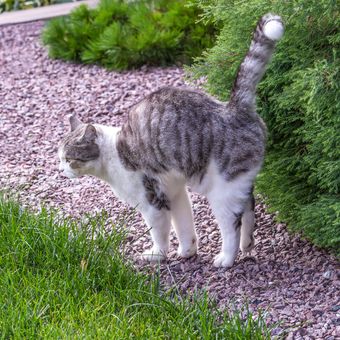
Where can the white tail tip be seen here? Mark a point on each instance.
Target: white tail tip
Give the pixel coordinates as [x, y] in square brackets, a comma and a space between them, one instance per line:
[273, 29]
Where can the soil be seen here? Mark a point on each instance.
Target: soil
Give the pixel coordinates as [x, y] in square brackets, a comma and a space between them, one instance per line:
[294, 282]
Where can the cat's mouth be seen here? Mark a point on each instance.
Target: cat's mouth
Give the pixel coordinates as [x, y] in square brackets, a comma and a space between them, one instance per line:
[69, 175]
[66, 173]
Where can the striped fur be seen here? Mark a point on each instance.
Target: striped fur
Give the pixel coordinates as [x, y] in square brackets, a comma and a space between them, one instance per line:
[183, 129]
[254, 64]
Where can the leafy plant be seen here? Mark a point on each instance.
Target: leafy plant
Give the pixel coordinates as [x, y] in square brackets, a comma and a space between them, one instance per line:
[121, 35]
[298, 98]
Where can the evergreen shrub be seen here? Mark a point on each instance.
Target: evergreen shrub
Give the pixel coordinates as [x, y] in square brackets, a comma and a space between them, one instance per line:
[299, 99]
[126, 34]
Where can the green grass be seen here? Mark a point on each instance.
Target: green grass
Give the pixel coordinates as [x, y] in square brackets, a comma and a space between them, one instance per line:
[63, 279]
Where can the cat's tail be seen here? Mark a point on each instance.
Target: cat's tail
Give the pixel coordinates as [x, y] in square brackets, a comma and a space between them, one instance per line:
[268, 31]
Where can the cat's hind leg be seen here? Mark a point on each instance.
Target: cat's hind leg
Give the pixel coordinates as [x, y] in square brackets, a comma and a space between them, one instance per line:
[228, 200]
[247, 226]
[228, 213]
[159, 223]
[183, 223]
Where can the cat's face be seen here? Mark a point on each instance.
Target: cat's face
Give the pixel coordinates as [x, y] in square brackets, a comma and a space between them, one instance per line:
[78, 151]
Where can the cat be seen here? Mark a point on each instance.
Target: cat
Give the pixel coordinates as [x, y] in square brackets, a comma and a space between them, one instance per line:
[176, 137]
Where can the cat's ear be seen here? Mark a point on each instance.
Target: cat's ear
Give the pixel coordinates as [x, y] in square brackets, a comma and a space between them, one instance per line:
[90, 133]
[74, 121]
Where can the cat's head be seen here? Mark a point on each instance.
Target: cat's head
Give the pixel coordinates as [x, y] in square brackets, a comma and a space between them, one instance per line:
[79, 151]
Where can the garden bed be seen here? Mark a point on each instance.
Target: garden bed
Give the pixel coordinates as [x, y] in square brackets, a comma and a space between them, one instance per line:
[294, 281]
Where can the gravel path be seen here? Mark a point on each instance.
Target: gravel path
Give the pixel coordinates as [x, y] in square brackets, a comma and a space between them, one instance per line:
[294, 281]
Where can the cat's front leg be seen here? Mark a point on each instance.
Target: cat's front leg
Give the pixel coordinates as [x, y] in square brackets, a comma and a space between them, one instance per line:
[158, 221]
[183, 223]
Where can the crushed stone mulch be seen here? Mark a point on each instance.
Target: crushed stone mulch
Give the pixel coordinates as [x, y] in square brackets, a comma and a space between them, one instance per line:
[296, 283]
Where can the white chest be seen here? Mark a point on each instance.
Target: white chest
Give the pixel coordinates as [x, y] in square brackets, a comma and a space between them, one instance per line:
[129, 188]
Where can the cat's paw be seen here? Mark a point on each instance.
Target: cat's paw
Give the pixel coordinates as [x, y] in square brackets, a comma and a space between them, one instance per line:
[247, 245]
[187, 252]
[224, 260]
[189, 249]
[154, 255]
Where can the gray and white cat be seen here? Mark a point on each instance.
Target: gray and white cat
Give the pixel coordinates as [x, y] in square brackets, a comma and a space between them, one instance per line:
[177, 137]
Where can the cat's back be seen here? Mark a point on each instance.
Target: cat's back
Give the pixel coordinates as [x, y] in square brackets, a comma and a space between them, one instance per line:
[174, 111]
[184, 100]
[187, 107]
[182, 129]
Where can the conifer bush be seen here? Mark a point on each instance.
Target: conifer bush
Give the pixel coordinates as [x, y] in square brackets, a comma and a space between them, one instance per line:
[127, 34]
[299, 99]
